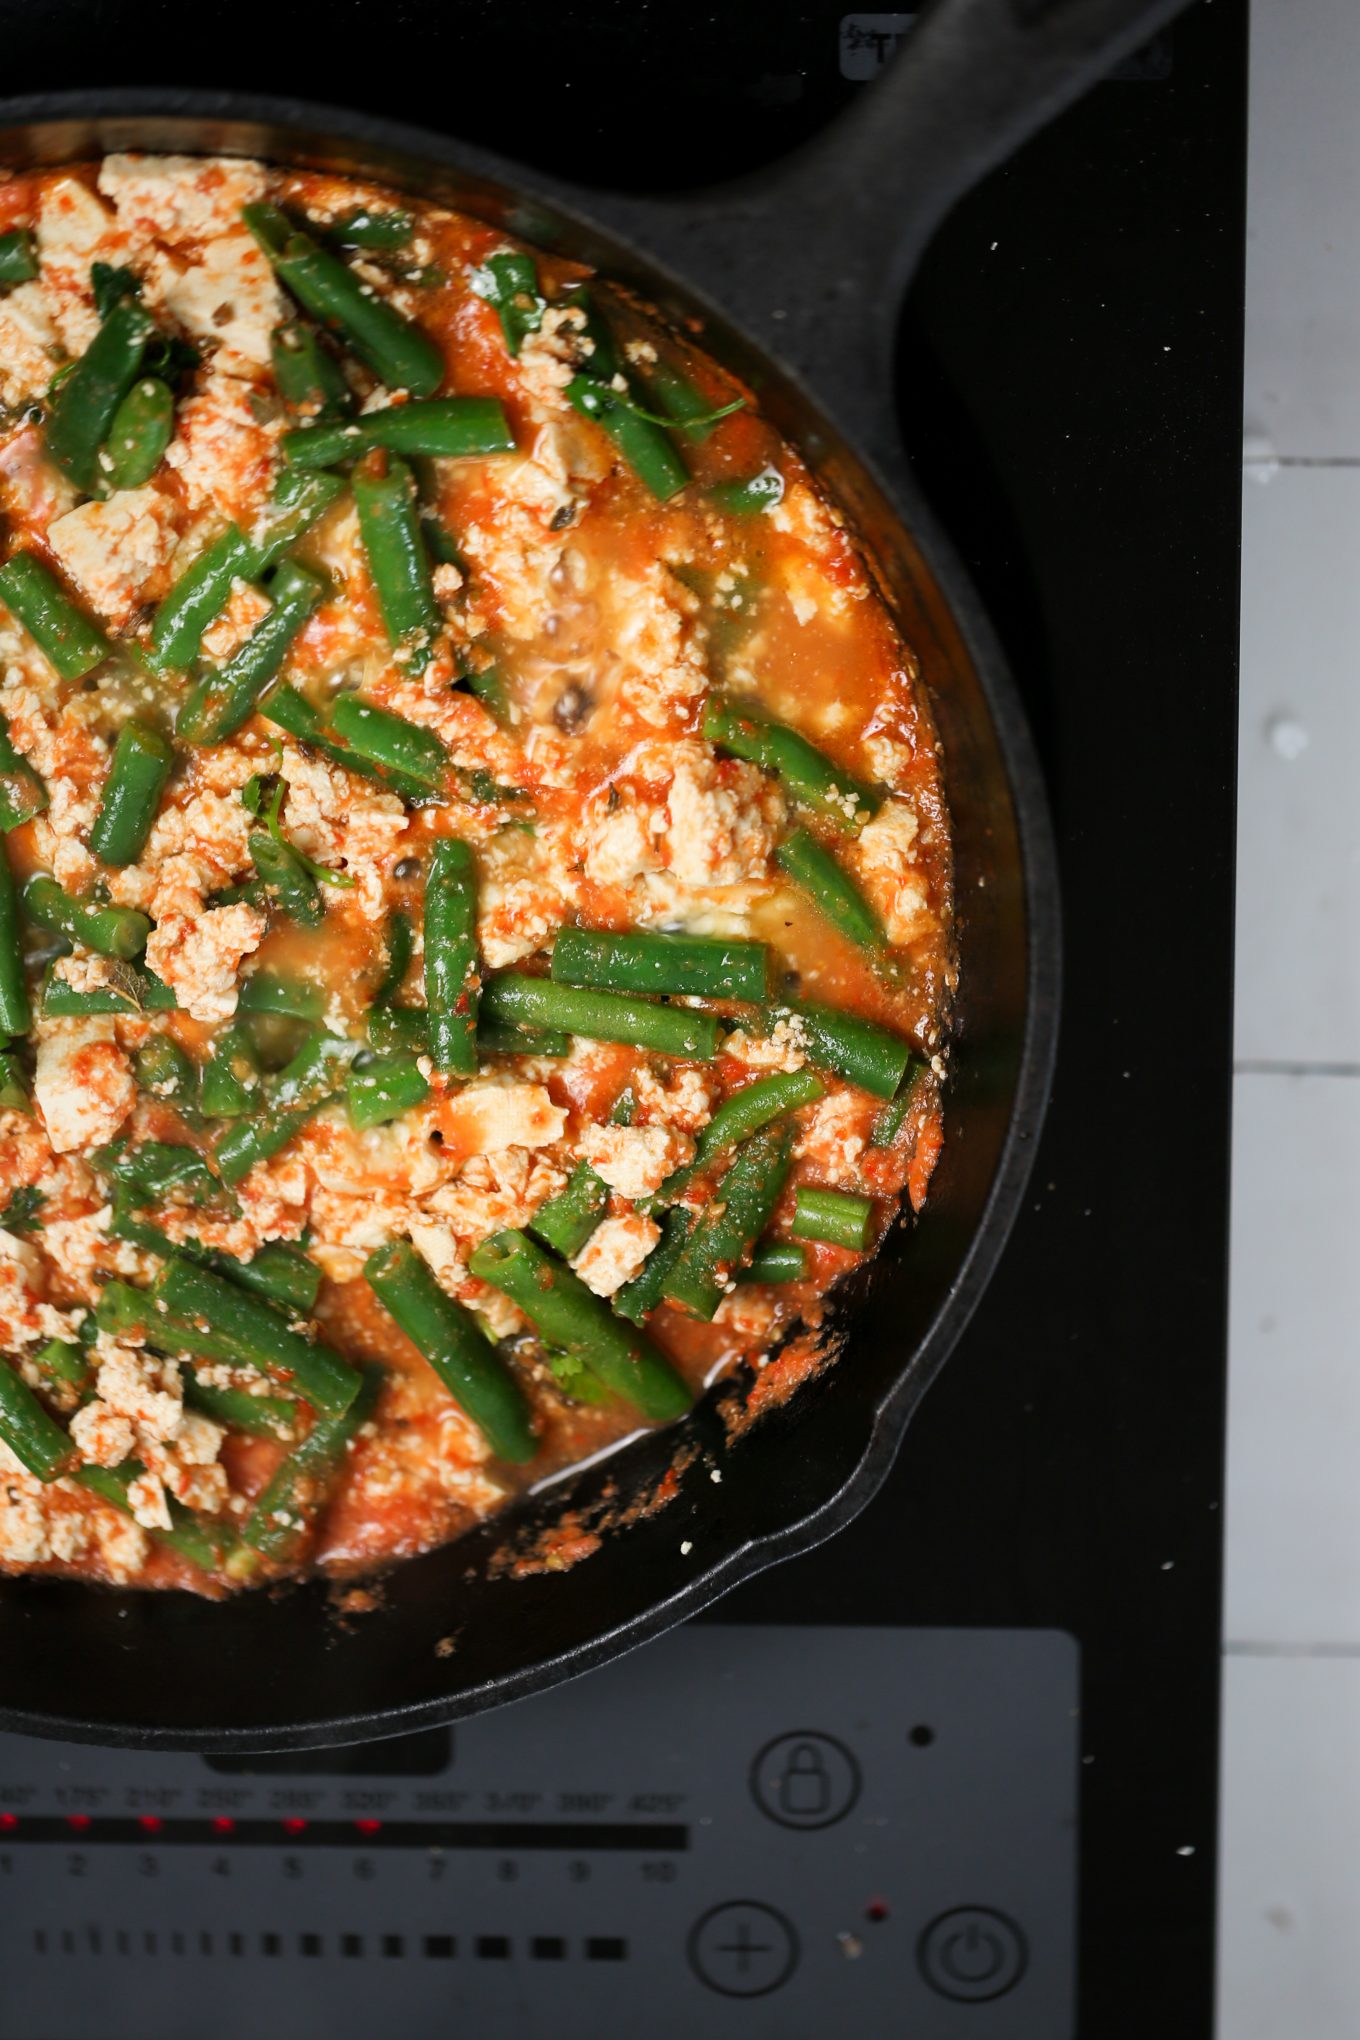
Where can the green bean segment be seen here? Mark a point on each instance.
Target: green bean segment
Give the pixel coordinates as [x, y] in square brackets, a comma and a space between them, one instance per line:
[738, 1117]
[142, 428]
[701, 966]
[260, 1416]
[384, 1088]
[396, 350]
[142, 763]
[199, 595]
[643, 445]
[567, 1314]
[390, 741]
[456, 428]
[203, 1541]
[258, 1335]
[34, 1436]
[87, 400]
[835, 1216]
[71, 644]
[389, 526]
[447, 1336]
[831, 889]
[452, 981]
[285, 1514]
[807, 774]
[601, 1016]
[310, 380]
[219, 703]
[22, 793]
[776, 1261]
[855, 1049]
[566, 1221]
[111, 931]
[728, 1228]
[16, 1015]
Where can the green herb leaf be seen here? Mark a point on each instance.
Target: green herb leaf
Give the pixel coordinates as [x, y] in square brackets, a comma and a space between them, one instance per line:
[22, 1212]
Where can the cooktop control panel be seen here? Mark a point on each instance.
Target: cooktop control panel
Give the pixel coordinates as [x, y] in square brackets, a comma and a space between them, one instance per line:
[747, 1831]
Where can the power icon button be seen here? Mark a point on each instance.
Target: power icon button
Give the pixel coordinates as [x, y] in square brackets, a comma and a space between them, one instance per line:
[972, 1954]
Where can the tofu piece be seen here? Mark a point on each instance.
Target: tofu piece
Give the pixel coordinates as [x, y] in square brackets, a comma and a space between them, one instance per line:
[224, 455]
[179, 199]
[227, 299]
[722, 819]
[116, 551]
[486, 1117]
[74, 231]
[198, 956]
[83, 1085]
[30, 346]
[616, 1252]
[885, 855]
[635, 1160]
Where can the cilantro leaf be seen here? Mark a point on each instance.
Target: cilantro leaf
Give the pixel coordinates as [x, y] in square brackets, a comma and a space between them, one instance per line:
[21, 1213]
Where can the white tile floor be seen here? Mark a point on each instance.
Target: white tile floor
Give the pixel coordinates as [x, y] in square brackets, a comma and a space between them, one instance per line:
[1290, 1883]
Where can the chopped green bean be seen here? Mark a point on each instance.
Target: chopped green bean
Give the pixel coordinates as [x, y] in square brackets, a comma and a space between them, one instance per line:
[87, 400]
[142, 428]
[16, 1015]
[454, 428]
[738, 1117]
[642, 1295]
[567, 1220]
[125, 989]
[446, 1335]
[266, 991]
[831, 889]
[199, 595]
[142, 763]
[365, 229]
[383, 1089]
[775, 1261]
[312, 1078]
[398, 353]
[808, 775]
[71, 644]
[389, 527]
[231, 1076]
[390, 741]
[18, 256]
[111, 931]
[32, 1434]
[728, 1227]
[835, 1216]
[298, 502]
[205, 1542]
[220, 702]
[601, 1016]
[567, 1314]
[643, 445]
[310, 380]
[452, 982]
[260, 1336]
[287, 881]
[260, 1416]
[283, 1516]
[165, 1070]
[702, 966]
[855, 1049]
[508, 280]
[749, 497]
[22, 793]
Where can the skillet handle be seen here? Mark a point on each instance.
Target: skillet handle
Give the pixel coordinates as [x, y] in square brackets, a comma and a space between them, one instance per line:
[812, 254]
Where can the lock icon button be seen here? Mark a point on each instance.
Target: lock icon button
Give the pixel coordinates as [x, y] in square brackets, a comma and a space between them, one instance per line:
[806, 1779]
[804, 1783]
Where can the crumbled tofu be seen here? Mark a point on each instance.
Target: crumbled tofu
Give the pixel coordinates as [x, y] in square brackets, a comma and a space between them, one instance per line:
[24, 1538]
[30, 346]
[635, 1160]
[102, 1436]
[437, 1245]
[886, 858]
[487, 1116]
[74, 231]
[224, 455]
[83, 1086]
[616, 1251]
[141, 1387]
[115, 551]
[228, 300]
[147, 1499]
[835, 1135]
[661, 670]
[516, 914]
[495, 1190]
[198, 957]
[723, 821]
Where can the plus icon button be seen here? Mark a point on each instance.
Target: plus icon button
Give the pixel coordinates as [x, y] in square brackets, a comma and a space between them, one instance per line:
[743, 1948]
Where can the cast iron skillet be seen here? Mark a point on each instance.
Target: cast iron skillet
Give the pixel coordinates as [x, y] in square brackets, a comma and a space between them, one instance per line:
[797, 276]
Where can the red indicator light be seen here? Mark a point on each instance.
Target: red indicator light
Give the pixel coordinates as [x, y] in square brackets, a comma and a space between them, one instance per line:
[223, 1824]
[368, 1827]
[294, 1826]
[78, 1821]
[149, 1823]
[8, 1823]
[876, 1910]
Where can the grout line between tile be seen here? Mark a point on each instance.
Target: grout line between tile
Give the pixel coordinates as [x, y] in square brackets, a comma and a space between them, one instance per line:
[1290, 1650]
[1252, 1067]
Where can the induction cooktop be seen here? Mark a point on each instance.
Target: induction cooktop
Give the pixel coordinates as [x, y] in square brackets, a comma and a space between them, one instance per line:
[953, 1773]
